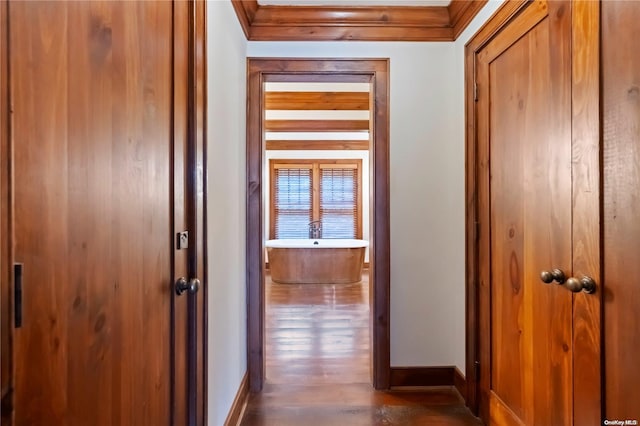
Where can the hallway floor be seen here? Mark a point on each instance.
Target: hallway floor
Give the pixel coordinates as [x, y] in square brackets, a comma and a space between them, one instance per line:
[317, 366]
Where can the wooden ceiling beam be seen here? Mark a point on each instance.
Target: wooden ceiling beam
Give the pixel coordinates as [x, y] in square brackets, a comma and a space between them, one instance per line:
[368, 23]
[317, 101]
[316, 125]
[314, 145]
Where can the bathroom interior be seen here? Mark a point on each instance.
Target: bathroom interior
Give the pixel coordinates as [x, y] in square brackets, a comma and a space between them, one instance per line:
[317, 231]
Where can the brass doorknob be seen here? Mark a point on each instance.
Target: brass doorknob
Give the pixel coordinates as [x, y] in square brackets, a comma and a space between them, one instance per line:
[556, 275]
[586, 284]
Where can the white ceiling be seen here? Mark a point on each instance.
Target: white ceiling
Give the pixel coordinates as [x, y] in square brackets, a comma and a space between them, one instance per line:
[354, 2]
[316, 87]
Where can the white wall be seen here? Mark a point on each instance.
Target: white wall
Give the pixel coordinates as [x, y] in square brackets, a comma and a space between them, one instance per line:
[427, 188]
[422, 243]
[456, 179]
[226, 121]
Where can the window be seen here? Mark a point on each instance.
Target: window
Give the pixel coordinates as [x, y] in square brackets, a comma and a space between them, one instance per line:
[303, 191]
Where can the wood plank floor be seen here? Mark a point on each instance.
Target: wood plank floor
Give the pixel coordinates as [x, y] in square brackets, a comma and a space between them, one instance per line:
[317, 366]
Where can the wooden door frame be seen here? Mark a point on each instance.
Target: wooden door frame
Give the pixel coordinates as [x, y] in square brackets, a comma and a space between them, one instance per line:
[376, 71]
[586, 172]
[197, 210]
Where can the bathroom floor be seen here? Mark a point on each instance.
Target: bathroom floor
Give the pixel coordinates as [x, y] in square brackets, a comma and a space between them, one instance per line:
[317, 333]
[317, 366]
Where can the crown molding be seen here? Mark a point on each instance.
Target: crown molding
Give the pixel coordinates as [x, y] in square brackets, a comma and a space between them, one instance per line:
[356, 23]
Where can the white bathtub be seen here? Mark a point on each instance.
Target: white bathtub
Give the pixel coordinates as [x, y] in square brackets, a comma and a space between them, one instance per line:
[324, 261]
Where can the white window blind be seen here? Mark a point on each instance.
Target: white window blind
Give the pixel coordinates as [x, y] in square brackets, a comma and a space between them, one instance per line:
[338, 202]
[315, 190]
[293, 202]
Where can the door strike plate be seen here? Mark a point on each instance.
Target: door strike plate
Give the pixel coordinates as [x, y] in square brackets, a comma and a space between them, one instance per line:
[183, 240]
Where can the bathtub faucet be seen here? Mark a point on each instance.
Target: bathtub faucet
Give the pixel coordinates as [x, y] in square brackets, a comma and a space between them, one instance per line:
[315, 229]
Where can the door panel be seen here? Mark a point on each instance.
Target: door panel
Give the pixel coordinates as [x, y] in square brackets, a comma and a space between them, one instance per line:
[524, 77]
[91, 85]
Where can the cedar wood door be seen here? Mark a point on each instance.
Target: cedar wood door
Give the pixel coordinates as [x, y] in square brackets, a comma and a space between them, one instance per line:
[99, 133]
[525, 209]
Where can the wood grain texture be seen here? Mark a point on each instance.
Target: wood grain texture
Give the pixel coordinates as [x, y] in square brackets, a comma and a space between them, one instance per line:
[477, 223]
[180, 308]
[420, 16]
[317, 333]
[586, 193]
[382, 23]
[356, 404]
[6, 258]
[501, 414]
[255, 232]
[337, 70]
[481, 232]
[510, 327]
[189, 209]
[525, 194]
[314, 145]
[317, 339]
[316, 265]
[621, 173]
[461, 13]
[316, 125]
[380, 238]
[317, 101]
[94, 196]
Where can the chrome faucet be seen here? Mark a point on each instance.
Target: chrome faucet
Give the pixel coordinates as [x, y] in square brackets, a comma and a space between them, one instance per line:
[315, 229]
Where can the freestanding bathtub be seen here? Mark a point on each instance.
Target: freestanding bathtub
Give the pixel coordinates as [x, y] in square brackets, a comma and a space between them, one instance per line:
[323, 261]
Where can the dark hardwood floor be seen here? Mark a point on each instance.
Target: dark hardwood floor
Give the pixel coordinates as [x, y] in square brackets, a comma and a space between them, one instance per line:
[317, 366]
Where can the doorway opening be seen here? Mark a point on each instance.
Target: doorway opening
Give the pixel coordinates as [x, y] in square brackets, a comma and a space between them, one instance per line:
[264, 153]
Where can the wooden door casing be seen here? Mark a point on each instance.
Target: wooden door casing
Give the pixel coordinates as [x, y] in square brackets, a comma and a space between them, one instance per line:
[102, 97]
[376, 72]
[558, 195]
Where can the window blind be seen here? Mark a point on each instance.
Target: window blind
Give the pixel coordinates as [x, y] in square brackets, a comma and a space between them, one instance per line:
[293, 202]
[338, 202]
[306, 190]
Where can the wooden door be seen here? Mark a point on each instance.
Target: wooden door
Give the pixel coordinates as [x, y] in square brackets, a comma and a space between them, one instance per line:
[99, 94]
[532, 333]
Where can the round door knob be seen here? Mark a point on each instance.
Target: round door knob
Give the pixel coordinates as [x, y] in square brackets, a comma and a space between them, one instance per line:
[555, 275]
[183, 285]
[586, 284]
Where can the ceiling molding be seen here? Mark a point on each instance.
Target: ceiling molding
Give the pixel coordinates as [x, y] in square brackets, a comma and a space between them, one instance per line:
[357, 23]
